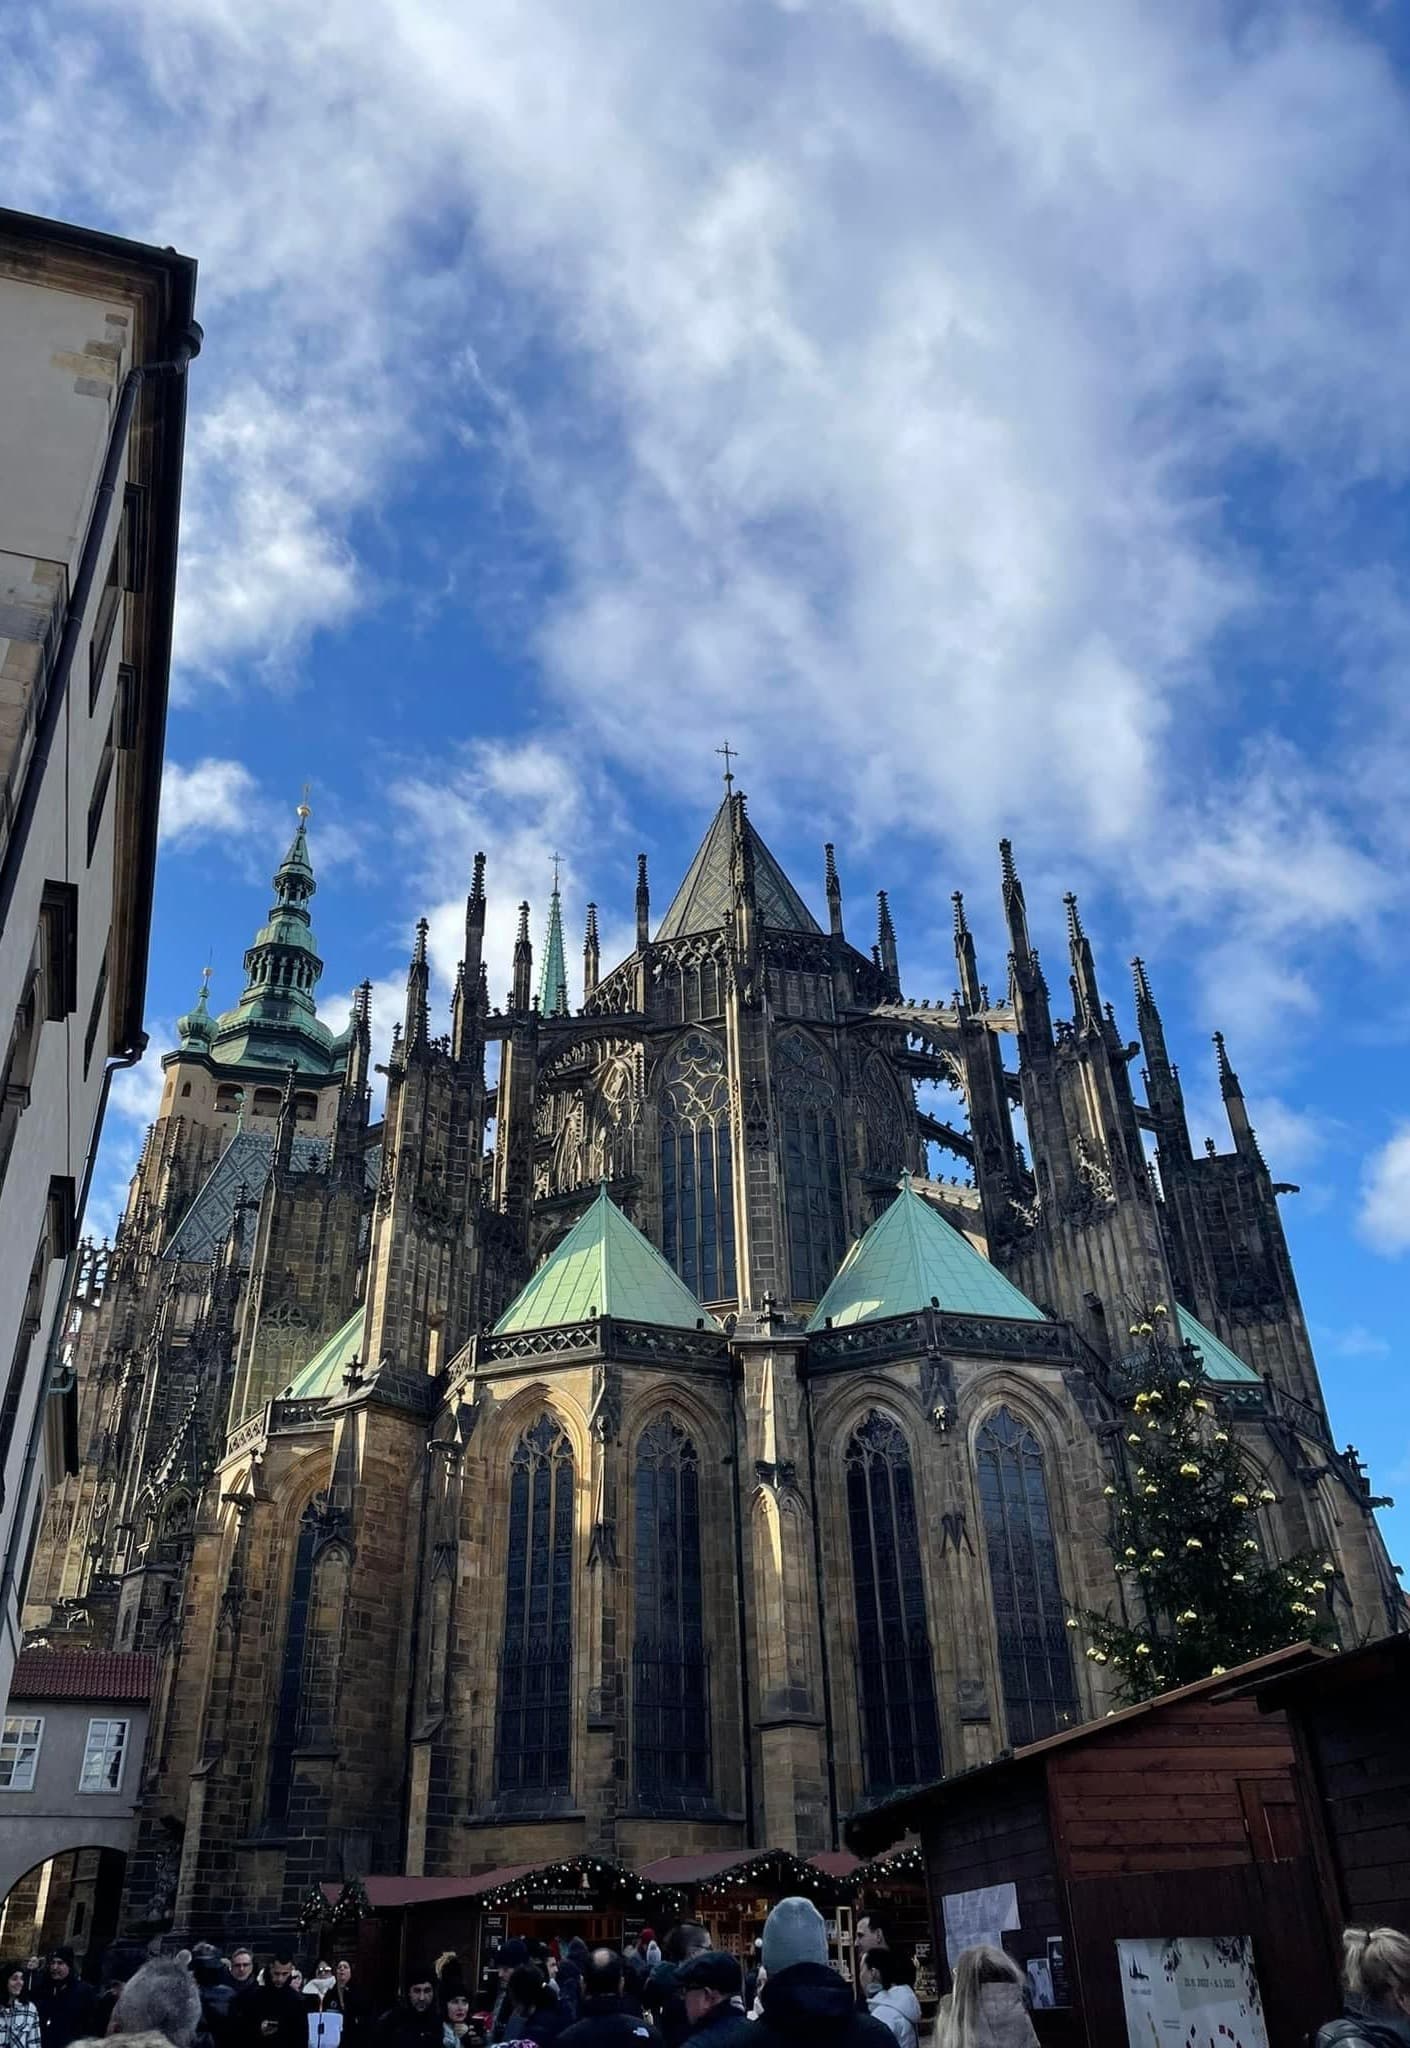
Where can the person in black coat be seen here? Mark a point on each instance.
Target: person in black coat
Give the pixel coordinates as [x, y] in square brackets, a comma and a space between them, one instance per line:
[712, 1986]
[271, 2014]
[804, 2002]
[415, 2020]
[68, 2008]
[609, 2019]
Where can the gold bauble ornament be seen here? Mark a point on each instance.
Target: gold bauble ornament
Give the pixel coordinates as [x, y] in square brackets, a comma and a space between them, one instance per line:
[1189, 1470]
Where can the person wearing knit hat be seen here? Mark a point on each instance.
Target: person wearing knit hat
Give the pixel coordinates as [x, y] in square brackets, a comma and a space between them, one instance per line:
[804, 2002]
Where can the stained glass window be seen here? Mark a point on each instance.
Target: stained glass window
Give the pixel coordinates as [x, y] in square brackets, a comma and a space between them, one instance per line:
[697, 1190]
[895, 1669]
[812, 1166]
[670, 1703]
[534, 1744]
[1035, 1659]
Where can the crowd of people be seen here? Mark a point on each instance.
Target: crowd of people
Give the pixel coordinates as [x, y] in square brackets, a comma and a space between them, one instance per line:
[665, 1995]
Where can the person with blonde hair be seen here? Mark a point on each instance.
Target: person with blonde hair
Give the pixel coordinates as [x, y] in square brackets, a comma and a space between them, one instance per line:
[1376, 1972]
[984, 2007]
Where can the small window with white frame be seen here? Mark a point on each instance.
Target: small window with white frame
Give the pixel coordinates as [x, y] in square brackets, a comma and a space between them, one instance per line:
[19, 1751]
[103, 1756]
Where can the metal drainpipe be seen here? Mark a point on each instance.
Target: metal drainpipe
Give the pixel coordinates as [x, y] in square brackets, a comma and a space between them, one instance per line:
[129, 1058]
[188, 345]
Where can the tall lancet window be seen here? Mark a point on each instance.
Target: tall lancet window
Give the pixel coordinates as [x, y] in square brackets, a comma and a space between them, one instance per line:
[535, 1733]
[288, 1710]
[812, 1165]
[697, 1187]
[1035, 1661]
[895, 1669]
[670, 1705]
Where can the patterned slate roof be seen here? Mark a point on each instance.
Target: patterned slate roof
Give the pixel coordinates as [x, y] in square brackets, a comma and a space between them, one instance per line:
[83, 1675]
[323, 1373]
[700, 903]
[1220, 1363]
[246, 1161]
[908, 1258]
[604, 1267]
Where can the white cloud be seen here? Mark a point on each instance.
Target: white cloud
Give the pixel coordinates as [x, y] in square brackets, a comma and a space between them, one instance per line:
[868, 371]
[1358, 1342]
[209, 800]
[1384, 1216]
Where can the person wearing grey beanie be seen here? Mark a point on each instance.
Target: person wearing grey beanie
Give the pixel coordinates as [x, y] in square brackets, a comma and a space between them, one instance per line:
[804, 2002]
[162, 1998]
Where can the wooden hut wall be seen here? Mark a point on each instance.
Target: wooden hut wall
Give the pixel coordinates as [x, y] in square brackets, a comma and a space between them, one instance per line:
[997, 1835]
[1190, 1785]
[1359, 1749]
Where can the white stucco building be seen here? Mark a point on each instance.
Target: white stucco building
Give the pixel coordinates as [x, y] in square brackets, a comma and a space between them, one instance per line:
[95, 336]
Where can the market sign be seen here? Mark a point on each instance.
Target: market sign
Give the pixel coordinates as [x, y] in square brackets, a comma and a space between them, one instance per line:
[1191, 1988]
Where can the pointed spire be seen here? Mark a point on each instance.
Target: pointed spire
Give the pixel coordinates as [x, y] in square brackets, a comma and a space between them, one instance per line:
[282, 966]
[971, 990]
[591, 954]
[1167, 1102]
[197, 1028]
[475, 921]
[1015, 909]
[523, 964]
[886, 944]
[1235, 1107]
[834, 892]
[416, 1028]
[359, 1040]
[284, 1129]
[1084, 972]
[553, 975]
[643, 906]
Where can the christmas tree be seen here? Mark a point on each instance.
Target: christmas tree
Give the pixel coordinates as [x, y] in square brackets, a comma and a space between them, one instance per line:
[1184, 1515]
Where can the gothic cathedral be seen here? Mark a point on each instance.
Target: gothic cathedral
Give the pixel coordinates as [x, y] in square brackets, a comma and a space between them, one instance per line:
[690, 1466]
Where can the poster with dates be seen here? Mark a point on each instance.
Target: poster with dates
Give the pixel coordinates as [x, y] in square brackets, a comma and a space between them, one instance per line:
[1192, 1991]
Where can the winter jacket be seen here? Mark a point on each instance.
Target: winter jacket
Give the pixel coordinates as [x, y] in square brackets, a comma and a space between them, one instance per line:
[1365, 2027]
[270, 2016]
[1003, 2018]
[19, 2025]
[404, 2027]
[67, 2011]
[542, 2026]
[809, 2006]
[899, 2009]
[724, 2026]
[609, 2023]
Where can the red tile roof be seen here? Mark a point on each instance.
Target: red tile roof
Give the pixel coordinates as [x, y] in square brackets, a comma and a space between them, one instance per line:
[83, 1675]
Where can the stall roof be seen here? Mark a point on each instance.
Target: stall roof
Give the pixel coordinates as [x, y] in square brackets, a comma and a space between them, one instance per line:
[1387, 1659]
[391, 1892]
[836, 1862]
[871, 1828]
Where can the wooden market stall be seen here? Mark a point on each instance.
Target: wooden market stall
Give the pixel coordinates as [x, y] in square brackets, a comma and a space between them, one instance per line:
[733, 1891]
[1350, 1722]
[387, 1923]
[1180, 1819]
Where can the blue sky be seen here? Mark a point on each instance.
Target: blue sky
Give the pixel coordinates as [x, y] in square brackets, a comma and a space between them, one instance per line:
[991, 420]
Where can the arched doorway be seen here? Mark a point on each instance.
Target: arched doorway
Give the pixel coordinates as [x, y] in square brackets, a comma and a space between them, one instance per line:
[71, 1897]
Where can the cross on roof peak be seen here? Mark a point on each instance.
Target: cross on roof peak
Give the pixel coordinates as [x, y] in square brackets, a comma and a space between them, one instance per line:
[730, 754]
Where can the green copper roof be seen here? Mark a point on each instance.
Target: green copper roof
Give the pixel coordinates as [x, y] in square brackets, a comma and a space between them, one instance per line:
[275, 1022]
[705, 895]
[553, 975]
[908, 1258]
[197, 1028]
[1219, 1362]
[604, 1267]
[323, 1374]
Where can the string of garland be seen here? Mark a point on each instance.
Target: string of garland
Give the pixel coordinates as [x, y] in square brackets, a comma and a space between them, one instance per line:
[1184, 1513]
